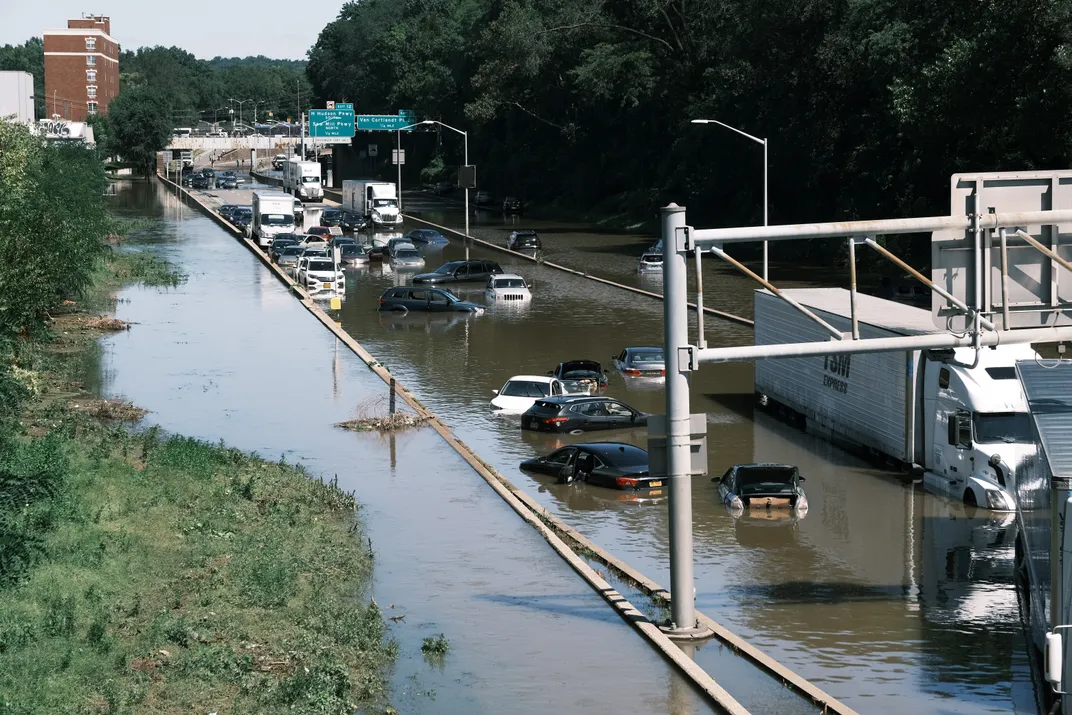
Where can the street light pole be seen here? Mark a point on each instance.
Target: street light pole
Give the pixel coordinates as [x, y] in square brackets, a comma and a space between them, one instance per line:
[465, 135]
[765, 169]
[398, 157]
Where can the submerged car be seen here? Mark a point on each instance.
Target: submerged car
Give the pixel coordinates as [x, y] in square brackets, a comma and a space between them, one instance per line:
[650, 263]
[404, 298]
[299, 211]
[288, 256]
[278, 244]
[524, 241]
[352, 222]
[641, 362]
[330, 217]
[605, 464]
[511, 205]
[482, 198]
[318, 274]
[460, 272]
[405, 255]
[227, 210]
[581, 414]
[578, 375]
[759, 487]
[353, 254]
[427, 237]
[507, 287]
[227, 182]
[521, 392]
[319, 231]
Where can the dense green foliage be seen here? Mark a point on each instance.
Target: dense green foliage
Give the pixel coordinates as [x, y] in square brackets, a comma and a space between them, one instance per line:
[869, 105]
[52, 225]
[202, 90]
[28, 57]
[137, 126]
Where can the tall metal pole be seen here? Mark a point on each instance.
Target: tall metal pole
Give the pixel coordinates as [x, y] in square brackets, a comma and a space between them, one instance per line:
[675, 316]
[398, 153]
[466, 135]
[765, 276]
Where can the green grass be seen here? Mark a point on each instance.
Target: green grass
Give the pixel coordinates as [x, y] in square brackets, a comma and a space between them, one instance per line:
[176, 576]
[150, 574]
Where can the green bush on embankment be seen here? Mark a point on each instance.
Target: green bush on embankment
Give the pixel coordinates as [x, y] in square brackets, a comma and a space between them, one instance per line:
[138, 573]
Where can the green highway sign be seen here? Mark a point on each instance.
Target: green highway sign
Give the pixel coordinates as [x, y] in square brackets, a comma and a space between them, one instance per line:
[382, 122]
[344, 105]
[407, 114]
[331, 122]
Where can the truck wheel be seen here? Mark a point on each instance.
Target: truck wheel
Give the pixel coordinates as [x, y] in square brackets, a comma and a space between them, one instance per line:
[969, 498]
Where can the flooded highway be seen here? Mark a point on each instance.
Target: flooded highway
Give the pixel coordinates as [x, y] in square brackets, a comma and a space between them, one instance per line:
[892, 600]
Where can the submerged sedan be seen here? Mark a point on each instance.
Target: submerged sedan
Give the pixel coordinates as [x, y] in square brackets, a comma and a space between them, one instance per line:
[605, 464]
[641, 362]
[427, 237]
[763, 487]
[578, 414]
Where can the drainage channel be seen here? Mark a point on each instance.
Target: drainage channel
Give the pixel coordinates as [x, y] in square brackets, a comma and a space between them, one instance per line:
[565, 540]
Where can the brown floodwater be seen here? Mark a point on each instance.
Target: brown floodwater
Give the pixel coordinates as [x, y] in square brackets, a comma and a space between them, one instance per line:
[892, 600]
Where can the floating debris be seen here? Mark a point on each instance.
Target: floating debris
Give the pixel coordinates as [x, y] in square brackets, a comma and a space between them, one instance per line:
[388, 423]
[111, 410]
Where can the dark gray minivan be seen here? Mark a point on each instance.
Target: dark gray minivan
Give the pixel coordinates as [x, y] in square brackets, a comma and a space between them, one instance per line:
[434, 300]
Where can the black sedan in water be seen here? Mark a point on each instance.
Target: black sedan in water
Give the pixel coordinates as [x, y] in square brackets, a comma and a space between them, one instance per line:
[604, 464]
[762, 487]
[330, 217]
[352, 222]
[569, 414]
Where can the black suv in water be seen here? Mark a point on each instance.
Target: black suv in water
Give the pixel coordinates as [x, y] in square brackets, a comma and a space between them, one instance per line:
[459, 272]
[524, 241]
[330, 217]
[435, 300]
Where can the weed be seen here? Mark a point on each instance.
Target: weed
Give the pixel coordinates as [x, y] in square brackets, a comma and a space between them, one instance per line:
[435, 645]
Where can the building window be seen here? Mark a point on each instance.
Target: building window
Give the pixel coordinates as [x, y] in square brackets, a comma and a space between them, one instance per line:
[91, 75]
[91, 43]
[91, 60]
[91, 107]
[91, 91]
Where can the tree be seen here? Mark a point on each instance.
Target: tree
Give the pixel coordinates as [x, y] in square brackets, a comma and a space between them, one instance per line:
[140, 126]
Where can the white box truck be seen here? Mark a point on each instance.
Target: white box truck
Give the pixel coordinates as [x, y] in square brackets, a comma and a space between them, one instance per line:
[957, 417]
[302, 178]
[375, 200]
[273, 214]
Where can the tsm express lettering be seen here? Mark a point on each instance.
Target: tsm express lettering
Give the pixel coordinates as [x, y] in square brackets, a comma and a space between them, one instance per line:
[837, 367]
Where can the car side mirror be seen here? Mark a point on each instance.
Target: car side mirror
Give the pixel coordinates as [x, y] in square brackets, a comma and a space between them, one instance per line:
[802, 478]
[551, 373]
[495, 392]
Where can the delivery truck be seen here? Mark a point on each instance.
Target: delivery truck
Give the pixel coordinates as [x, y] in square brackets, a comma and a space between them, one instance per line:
[302, 178]
[957, 418]
[375, 200]
[273, 214]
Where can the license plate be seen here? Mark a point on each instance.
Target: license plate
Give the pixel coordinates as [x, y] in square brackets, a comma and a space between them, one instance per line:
[327, 285]
[534, 424]
[655, 492]
[655, 484]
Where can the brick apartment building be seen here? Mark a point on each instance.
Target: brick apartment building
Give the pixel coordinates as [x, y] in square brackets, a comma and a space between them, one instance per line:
[81, 68]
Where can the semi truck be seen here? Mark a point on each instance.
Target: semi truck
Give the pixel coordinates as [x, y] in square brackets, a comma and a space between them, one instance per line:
[957, 418]
[273, 214]
[375, 200]
[302, 178]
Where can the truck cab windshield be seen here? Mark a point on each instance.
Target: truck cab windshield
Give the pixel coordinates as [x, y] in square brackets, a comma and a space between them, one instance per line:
[383, 203]
[310, 179]
[276, 220]
[1008, 427]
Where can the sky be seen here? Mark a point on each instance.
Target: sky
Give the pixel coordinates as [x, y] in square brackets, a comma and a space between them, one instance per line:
[282, 29]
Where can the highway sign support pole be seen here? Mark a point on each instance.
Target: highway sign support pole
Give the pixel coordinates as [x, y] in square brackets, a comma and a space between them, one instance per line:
[398, 156]
[466, 136]
[678, 432]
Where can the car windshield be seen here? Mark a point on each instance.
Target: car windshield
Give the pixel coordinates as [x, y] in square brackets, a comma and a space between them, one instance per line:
[321, 266]
[310, 179]
[510, 283]
[351, 249]
[647, 356]
[407, 253]
[447, 268]
[330, 213]
[291, 250]
[276, 220]
[526, 388]
[1009, 427]
[243, 212]
[652, 258]
[756, 479]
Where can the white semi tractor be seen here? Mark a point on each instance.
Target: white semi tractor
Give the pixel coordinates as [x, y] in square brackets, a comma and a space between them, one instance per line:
[302, 178]
[956, 417]
[375, 200]
[273, 214]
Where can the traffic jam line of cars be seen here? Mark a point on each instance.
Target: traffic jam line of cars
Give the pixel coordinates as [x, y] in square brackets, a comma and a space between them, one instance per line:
[568, 399]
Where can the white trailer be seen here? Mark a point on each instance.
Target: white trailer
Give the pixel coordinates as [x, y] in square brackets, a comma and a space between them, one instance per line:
[956, 417]
[375, 200]
[17, 96]
[273, 214]
[302, 178]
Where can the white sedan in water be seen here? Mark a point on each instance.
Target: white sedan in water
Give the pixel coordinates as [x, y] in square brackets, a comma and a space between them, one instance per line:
[521, 392]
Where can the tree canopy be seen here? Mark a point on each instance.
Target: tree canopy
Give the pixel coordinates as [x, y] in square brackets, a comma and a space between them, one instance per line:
[138, 126]
[869, 105]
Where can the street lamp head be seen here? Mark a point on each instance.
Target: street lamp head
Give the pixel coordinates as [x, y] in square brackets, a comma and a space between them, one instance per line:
[701, 121]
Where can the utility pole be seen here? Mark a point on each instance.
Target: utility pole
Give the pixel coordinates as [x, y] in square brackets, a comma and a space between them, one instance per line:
[398, 158]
